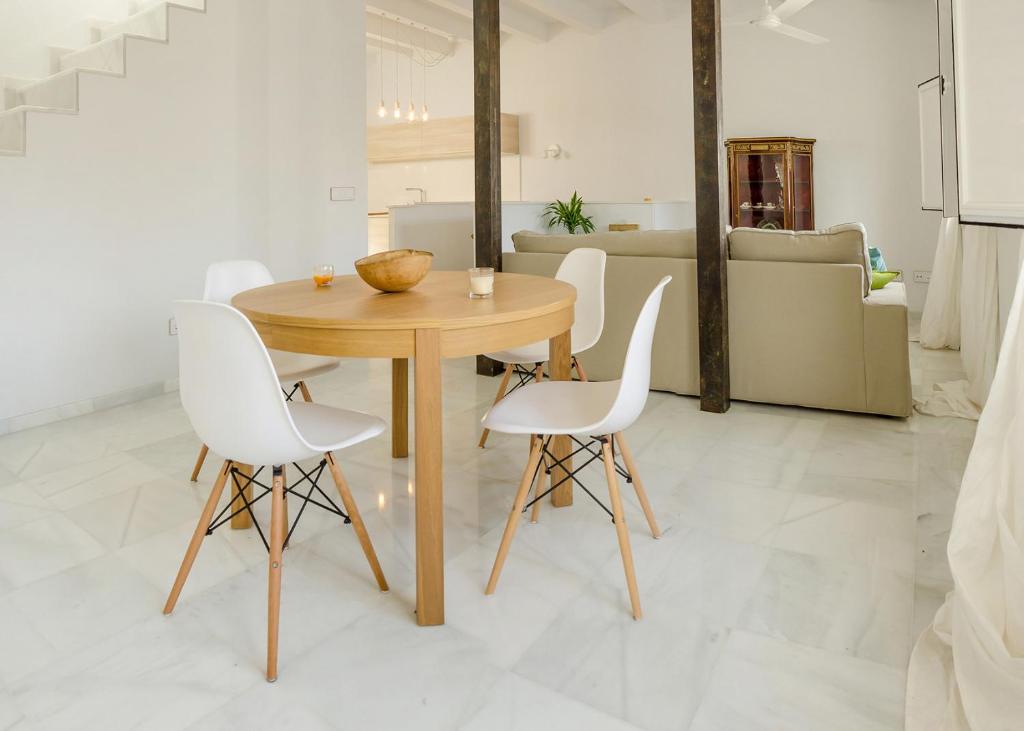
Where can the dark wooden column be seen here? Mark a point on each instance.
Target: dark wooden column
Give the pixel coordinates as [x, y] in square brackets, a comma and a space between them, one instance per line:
[712, 206]
[487, 144]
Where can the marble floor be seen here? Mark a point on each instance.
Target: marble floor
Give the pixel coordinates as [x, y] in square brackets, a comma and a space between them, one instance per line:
[803, 551]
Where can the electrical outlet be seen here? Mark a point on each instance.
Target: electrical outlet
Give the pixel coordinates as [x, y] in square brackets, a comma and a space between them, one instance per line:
[172, 326]
[922, 277]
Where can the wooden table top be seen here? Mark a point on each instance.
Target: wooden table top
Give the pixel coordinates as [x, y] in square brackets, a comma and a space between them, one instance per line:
[351, 319]
[441, 301]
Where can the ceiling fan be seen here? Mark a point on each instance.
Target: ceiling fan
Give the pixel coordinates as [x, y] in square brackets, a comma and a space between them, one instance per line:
[771, 19]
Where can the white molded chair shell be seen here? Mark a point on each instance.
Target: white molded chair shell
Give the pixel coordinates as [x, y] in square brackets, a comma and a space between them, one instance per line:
[225, 279]
[592, 408]
[231, 394]
[583, 268]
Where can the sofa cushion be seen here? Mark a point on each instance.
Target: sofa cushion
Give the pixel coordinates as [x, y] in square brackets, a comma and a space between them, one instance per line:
[668, 244]
[842, 244]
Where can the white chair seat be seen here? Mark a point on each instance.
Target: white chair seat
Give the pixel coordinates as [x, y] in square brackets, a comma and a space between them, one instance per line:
[554, 407]
[294, 367]
[528, 354]
[327, 428]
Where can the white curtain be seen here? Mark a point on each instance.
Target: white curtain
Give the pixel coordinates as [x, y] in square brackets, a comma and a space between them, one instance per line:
[979, 328]
[967, 669]
[940, 322]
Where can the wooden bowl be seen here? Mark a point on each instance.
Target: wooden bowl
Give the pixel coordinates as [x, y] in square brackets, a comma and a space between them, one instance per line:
[395, 271]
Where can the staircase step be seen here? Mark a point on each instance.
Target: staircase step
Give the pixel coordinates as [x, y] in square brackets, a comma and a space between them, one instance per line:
[59, 91]
[149, 22]
[107, 55]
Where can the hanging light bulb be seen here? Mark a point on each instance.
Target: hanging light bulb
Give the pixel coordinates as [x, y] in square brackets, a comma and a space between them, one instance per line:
[382, 111]
[398, 110]
[411, 115]
[425, 115]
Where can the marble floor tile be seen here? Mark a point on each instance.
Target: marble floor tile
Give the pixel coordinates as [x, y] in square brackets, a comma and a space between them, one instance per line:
[753, 464]
[693, 570]
[885, 493]
[848, 530]
[651, 673]
[87, 603]
[846, 607]
[25, 649]
[858, 451]
[20, 504]
[90, 481]
[764, 684]
[386, 672]
[42, 548]
[515, 703]
[163, 673]
[158, 558]
[11, 716]
[739, 512]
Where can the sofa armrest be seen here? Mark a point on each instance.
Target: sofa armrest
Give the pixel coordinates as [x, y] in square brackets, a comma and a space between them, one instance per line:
[886, 351]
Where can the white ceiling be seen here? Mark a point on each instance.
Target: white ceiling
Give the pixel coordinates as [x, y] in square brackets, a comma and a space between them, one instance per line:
[536, 20]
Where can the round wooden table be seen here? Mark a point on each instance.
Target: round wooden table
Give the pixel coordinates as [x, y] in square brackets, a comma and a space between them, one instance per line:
[434, 320]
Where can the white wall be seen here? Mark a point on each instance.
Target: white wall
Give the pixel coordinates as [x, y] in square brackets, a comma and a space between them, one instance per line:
[220, 144]
[857, 95]
[620, 104]
[590, 94]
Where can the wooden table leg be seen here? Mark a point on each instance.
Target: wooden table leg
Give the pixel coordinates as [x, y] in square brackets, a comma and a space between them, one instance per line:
[242, 520]
[560, 369]
[399, 407]
[429, 488]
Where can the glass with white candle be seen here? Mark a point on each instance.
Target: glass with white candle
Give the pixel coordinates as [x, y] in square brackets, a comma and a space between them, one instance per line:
[481, 282]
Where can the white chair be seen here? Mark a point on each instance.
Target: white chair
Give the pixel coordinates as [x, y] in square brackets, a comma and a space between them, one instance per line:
[225, 279]
[231, 394]
[584, 269]
[599, 411]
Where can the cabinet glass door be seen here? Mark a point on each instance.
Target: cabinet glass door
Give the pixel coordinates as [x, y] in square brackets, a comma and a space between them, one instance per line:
[761, 190]
[803, 204]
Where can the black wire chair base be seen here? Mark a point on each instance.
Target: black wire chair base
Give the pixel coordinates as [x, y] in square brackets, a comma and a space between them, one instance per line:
[571, 474]
[238, 493]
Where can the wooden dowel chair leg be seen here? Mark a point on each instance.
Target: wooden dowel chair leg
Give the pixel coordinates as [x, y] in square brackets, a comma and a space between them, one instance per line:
[501, 394]
[513, 517]
[278, 531]
[203, 451]
[641, 494]
[579, 369]
[305, 392]
[620, 527]
[357, 521]
[197, 537]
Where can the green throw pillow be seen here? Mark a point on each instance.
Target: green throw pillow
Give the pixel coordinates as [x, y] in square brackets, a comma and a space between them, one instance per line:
[880, 279]
[877, 260]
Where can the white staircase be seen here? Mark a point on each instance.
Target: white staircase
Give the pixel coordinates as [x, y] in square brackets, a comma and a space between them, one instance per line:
[103, 50]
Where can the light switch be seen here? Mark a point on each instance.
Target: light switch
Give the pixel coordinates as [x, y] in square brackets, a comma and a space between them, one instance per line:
[344, 193]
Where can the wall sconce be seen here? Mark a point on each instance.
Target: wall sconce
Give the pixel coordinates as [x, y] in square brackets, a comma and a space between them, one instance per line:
[553, 151]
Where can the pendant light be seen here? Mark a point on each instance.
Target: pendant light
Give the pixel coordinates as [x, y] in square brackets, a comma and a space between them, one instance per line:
[398, 104]
[411, 115]
[424, 115]
[382, 111]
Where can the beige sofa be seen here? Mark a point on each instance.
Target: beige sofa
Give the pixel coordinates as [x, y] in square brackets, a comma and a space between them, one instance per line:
[804, 327]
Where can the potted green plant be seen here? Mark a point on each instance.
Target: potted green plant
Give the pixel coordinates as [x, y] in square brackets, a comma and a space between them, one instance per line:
[570, 215]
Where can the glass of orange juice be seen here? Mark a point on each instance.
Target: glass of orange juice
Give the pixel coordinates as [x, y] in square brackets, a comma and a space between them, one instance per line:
[323, 275]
